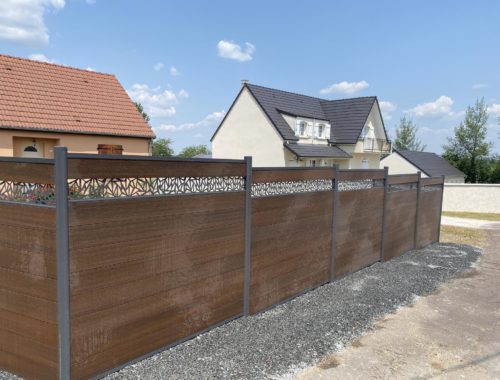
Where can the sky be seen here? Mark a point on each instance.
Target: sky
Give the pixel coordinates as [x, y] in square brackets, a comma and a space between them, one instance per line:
[184, 60]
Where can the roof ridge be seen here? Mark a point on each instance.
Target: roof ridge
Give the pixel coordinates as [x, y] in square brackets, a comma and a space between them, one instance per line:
[29, 60]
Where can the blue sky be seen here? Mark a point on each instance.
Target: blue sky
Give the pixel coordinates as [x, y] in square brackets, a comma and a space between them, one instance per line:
[184, 60]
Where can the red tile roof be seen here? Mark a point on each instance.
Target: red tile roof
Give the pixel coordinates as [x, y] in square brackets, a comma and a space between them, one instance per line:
[43, 96]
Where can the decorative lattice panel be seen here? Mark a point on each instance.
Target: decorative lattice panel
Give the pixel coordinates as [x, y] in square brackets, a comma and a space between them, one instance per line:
[27, 192]
[402, 187]
[291, 187]
[360, 184]
[432, 188]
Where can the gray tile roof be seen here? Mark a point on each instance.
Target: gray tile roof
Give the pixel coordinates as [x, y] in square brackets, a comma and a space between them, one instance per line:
[346, 116]
[430, 163]
[310, 150]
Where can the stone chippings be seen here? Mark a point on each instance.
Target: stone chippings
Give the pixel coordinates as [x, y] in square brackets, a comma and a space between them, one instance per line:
[294, 335]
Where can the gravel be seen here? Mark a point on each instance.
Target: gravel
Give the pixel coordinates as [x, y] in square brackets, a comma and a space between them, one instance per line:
[278, 343]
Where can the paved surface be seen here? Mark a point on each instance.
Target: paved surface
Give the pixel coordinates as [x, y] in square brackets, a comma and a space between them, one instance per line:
[452, 334]
[469, 223]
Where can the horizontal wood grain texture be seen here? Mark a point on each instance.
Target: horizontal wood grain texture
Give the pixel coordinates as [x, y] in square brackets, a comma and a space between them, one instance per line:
[431, 181]
[429, 217]
[146, 272]
[400, 223]
[359, 229]
[356, 175]
[291, 246]
[102, 168]
[27, 172]
[291, 174]
[28, 291]
[402, 179]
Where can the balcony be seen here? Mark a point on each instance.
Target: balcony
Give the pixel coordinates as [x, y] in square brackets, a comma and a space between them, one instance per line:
[376, 145]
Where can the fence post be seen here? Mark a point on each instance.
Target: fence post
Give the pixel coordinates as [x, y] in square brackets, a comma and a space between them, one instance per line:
[384, 212]
[248, 236]
[417, 216]
[334, 222]
[441, 210]
[62, 257]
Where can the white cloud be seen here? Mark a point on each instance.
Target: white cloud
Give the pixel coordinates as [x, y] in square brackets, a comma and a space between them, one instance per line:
[156, 103]
[347, 88]
[158, 66]
[174, 72]
[41, 58]
[477, 86]
[387, 108]
[230, 50]
[440, 107]
[89, 69]
[208, 121]
[494, 109]
[22, 21]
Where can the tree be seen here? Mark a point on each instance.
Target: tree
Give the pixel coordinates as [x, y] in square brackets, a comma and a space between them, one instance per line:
[193, 150]
[406, 136]
[467, 149]
[162, 148]
[141, 111]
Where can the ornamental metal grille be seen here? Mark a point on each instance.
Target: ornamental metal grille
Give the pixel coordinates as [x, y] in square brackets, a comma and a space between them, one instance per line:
[26, 192]
[361, 184]
[95, 188]
[291, 187]
[432, 188]
[402, 187]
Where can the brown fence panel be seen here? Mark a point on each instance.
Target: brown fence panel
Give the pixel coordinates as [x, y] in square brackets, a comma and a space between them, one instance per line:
[147, 272]
[429, 217]
[401, 209]
[291, 234]
[28, 299]
[360, 207]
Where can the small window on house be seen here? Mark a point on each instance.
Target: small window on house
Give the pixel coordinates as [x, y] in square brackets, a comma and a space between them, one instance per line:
[31, 149]
[302, 128]
[321, 130]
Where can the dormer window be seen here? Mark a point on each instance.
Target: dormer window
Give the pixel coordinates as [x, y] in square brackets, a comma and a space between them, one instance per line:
[302, 128]
[321, 130]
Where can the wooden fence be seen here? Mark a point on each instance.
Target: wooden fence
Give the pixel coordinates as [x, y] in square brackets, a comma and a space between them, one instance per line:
[105, 261]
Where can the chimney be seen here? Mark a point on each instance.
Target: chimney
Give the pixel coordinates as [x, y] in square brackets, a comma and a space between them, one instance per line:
[244, 82]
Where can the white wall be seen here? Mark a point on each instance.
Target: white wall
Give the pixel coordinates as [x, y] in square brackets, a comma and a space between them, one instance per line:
[247, 131]
[471, 197]
[399, 165]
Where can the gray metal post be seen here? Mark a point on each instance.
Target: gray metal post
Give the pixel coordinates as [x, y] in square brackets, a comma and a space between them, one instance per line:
[334, 222]
[62, 256]
[384, 212]
[248, 236]
[441, 210]
[417, 216]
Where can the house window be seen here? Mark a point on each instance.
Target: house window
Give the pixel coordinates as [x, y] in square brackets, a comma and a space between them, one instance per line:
[302, 128]
[321, 130]
[31, 149]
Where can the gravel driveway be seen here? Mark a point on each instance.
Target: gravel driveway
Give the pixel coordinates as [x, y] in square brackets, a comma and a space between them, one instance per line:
[280, 342]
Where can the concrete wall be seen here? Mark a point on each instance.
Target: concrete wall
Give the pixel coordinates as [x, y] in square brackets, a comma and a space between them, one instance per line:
[471, 197]
[12, 140]
[247, 131]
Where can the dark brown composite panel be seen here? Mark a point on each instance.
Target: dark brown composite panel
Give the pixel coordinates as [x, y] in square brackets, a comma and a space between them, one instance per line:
[147, 272]
[291, 246]
[429, 217]
[28, 291]
[400, 222]
[359, 229]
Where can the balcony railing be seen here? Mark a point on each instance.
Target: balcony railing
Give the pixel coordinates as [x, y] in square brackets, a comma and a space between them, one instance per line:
[376, 145]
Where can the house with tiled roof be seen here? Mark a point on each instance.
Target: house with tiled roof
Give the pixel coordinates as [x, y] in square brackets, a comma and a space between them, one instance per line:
[280, 128]
[43, 105]
[428, 163]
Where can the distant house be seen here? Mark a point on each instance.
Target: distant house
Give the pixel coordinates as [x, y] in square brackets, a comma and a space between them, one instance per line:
[43, 105]
[280, 128]
[430, 164]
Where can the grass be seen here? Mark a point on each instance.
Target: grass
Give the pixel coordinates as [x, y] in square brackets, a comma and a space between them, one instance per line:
[473, 215]
[461, 235]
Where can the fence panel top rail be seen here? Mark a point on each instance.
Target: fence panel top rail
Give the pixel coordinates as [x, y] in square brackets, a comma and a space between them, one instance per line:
[432, 181]
[80, 167]
[39, 171]
[400, 179]
[360, 174]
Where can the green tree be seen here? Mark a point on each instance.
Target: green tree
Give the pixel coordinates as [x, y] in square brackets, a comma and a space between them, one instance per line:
[141, 111]
[193, 150]
[468, 149]
[406, 136]
[162, 148]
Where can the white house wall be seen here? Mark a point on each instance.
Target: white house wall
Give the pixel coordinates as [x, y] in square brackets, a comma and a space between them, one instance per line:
[399, 165]
[247, 131]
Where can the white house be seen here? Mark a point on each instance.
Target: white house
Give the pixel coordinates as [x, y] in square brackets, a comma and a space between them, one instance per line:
[280, 128]
[429, 164]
